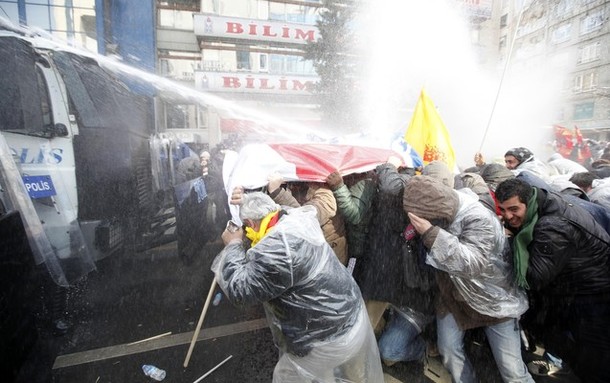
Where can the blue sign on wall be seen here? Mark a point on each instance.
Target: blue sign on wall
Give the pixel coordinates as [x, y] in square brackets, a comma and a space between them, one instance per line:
[39, 186]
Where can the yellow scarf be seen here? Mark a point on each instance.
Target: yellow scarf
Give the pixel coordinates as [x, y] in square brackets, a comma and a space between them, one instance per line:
[256, 236]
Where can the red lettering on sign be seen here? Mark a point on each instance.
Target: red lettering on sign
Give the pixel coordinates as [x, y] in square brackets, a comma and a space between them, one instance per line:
[297, 85]
[286, 32]
[234, 27]
[301, 34]
[264, 84]
[267, 31]
[230, 82]
[283, 82]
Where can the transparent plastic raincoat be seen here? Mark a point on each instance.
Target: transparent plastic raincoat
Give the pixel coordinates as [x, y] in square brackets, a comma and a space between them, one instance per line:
[478, 259]
[313, 305]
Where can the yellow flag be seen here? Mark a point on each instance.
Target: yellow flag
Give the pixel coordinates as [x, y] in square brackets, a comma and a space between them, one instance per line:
[427, 133]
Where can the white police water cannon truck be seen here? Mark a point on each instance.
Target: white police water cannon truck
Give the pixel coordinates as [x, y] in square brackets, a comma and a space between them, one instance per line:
[82, 161]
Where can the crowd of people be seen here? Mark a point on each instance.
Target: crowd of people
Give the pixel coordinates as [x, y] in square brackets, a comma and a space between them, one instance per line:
[398, 264]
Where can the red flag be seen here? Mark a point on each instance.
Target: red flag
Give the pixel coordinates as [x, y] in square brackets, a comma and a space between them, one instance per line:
[584, 153]
[563, 141]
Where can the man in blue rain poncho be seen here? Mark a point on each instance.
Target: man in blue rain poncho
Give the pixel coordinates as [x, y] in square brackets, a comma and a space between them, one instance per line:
[465, 242]
[313, 305]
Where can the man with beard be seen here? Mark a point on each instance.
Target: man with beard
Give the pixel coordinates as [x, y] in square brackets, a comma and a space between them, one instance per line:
[561, 255]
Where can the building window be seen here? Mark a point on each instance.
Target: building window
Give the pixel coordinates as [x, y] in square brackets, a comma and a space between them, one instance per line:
[243, 59]
[590, 52]
[590, 81]
[293, 13]
[179, 65]
[563, 8]
[10, 10]
[592, 22]
[190, 4]
[176, 19]
[561, 34]
[503, 21]
[584, 111]
[281, 64]
[263, 62]
[577, 84]
[71, 21]
[502, 43]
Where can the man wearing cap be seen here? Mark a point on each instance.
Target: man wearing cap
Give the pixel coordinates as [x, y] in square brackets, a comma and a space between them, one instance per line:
[522, 159]
[465, 242]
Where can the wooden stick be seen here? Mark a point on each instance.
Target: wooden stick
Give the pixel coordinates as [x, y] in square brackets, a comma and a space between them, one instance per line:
[203, 312]
[151, 338]
[212, 370]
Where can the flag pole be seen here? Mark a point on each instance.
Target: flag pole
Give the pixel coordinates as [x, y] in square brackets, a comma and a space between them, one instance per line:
[201, 317]
[508, 57]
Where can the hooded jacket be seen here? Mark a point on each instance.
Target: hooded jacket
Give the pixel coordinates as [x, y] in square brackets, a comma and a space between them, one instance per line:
[472, 251]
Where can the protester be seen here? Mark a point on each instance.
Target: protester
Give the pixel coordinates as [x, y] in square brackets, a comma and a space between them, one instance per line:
[477, 184]
[561, 255]
[601, 167]
[204, 161]
[354, 201]
[190, 207]
[600, 192]
[390, 274]
[400, 339]
[218, 212]
[565, 166]
[520, 159]
[584, 180]
[313, 306]
[465, 242]
[493, 174]
[596, 189]
[440, 171]
[322, 198]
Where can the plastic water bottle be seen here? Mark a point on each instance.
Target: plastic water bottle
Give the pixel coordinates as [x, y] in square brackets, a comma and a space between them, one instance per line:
[154, 372]
[217, 299]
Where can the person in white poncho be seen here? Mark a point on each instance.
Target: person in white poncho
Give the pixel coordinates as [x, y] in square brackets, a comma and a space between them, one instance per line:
[313, 305]
[465, 242]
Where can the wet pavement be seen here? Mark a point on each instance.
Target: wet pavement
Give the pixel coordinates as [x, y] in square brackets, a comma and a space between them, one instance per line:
[142, 308]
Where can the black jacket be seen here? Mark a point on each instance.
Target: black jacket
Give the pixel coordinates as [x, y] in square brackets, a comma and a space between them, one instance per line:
[390, 266]
[569, 252]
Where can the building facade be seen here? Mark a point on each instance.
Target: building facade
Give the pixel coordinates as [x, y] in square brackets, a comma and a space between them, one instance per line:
[249, 53]
[566, 36]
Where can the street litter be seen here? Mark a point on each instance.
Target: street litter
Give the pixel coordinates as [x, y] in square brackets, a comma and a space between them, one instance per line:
[151, 338]
[212, 370]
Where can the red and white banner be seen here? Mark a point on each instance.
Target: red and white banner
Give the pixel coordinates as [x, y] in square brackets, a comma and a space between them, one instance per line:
[251, 167]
